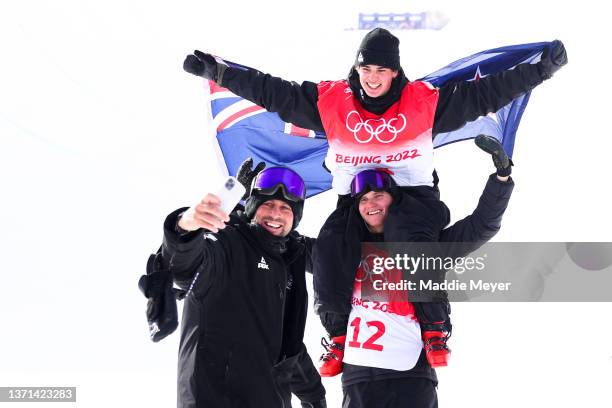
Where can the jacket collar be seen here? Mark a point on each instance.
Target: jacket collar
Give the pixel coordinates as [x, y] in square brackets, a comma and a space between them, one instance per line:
[289, 248]
[378, 105]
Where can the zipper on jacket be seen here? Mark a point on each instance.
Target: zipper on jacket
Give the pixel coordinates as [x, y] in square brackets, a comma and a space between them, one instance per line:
[283, 297]
[227, 372]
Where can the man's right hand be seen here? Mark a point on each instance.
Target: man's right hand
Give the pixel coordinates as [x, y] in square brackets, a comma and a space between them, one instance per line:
[206, 214]
[201, 64]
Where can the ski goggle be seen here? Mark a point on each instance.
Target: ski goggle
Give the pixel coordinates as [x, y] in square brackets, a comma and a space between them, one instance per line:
[370, 180]
[270, 180]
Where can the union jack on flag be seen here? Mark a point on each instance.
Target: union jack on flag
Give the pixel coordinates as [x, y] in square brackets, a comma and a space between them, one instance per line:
[242, 129]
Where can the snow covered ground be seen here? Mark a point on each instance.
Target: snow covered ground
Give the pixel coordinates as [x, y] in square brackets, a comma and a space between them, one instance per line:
[101, 136]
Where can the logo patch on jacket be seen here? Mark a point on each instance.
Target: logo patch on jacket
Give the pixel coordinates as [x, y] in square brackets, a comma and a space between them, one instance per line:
[263, 264]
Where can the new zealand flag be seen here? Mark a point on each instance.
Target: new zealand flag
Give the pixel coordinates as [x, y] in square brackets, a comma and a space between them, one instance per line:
[242, 129]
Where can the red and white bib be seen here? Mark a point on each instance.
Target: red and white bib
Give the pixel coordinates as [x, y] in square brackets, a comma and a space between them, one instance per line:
[398, 140]
[383, 331]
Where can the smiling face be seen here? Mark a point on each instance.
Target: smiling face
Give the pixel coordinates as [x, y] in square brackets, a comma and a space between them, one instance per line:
[373, 208]
[375, 80]
[275, 216]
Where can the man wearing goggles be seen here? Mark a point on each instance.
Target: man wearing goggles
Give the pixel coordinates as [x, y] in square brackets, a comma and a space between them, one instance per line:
[394, 367]
[246, 301]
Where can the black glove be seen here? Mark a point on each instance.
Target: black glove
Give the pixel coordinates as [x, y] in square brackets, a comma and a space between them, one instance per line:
[553, 58]
[318, 404]
[203, 65]
[491, 145]
[245, 175]
[156, 285]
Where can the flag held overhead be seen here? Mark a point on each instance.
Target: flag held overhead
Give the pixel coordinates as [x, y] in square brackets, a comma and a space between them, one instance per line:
[242, 129]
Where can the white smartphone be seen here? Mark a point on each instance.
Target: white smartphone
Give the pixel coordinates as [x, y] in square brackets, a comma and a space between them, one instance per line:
[230, 194]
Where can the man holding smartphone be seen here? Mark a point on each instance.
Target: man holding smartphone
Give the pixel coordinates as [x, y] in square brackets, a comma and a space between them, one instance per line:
[245, 309]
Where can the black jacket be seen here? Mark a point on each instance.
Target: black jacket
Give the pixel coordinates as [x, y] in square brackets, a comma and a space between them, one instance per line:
[458, 102]
[243, 318]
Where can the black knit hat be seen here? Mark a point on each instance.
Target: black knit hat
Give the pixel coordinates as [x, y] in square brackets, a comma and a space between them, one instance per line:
[379, 47]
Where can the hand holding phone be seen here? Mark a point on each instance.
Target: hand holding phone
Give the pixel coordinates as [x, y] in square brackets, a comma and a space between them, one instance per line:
[212, 211]
[230, 194]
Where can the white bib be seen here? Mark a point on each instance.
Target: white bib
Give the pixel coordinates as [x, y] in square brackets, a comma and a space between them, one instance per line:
[382, 329]
[381, 339]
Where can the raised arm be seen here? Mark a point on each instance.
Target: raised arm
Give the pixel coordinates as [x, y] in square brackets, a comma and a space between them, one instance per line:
[465, 101]
[476, 229]
[190, 248]
[294, 103]
[479, 227]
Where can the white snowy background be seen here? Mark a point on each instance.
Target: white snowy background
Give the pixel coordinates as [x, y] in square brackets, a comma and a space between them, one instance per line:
[102, 135]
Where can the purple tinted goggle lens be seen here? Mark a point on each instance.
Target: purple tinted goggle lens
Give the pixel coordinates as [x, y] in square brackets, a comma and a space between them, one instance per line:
[372, 179]
[272, 178]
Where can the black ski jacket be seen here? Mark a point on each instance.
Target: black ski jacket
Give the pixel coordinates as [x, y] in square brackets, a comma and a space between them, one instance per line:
[458, 102]
[243, 317]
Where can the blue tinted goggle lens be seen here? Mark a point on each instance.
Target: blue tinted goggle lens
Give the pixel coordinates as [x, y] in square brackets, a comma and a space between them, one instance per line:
[372, 179]
[272, 178]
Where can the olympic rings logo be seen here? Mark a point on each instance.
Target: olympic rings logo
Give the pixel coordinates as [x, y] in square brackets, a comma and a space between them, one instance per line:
[366, 272]
[375, 131]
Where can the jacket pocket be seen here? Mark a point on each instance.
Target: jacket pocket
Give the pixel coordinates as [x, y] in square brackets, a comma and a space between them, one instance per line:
[214, 360]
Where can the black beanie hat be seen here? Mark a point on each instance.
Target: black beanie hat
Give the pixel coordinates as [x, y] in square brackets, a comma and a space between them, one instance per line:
[256, 199]
[379, 47]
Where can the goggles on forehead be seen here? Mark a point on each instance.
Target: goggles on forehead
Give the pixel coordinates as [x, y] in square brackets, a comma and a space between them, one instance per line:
[369, 180]
[270, 180]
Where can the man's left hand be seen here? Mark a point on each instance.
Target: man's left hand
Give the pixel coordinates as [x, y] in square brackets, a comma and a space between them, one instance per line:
[245, 175]
[491, 145]
[553, 58]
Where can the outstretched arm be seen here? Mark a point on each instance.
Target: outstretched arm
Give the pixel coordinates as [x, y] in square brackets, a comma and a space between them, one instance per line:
[465, 101]
[294, 103]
